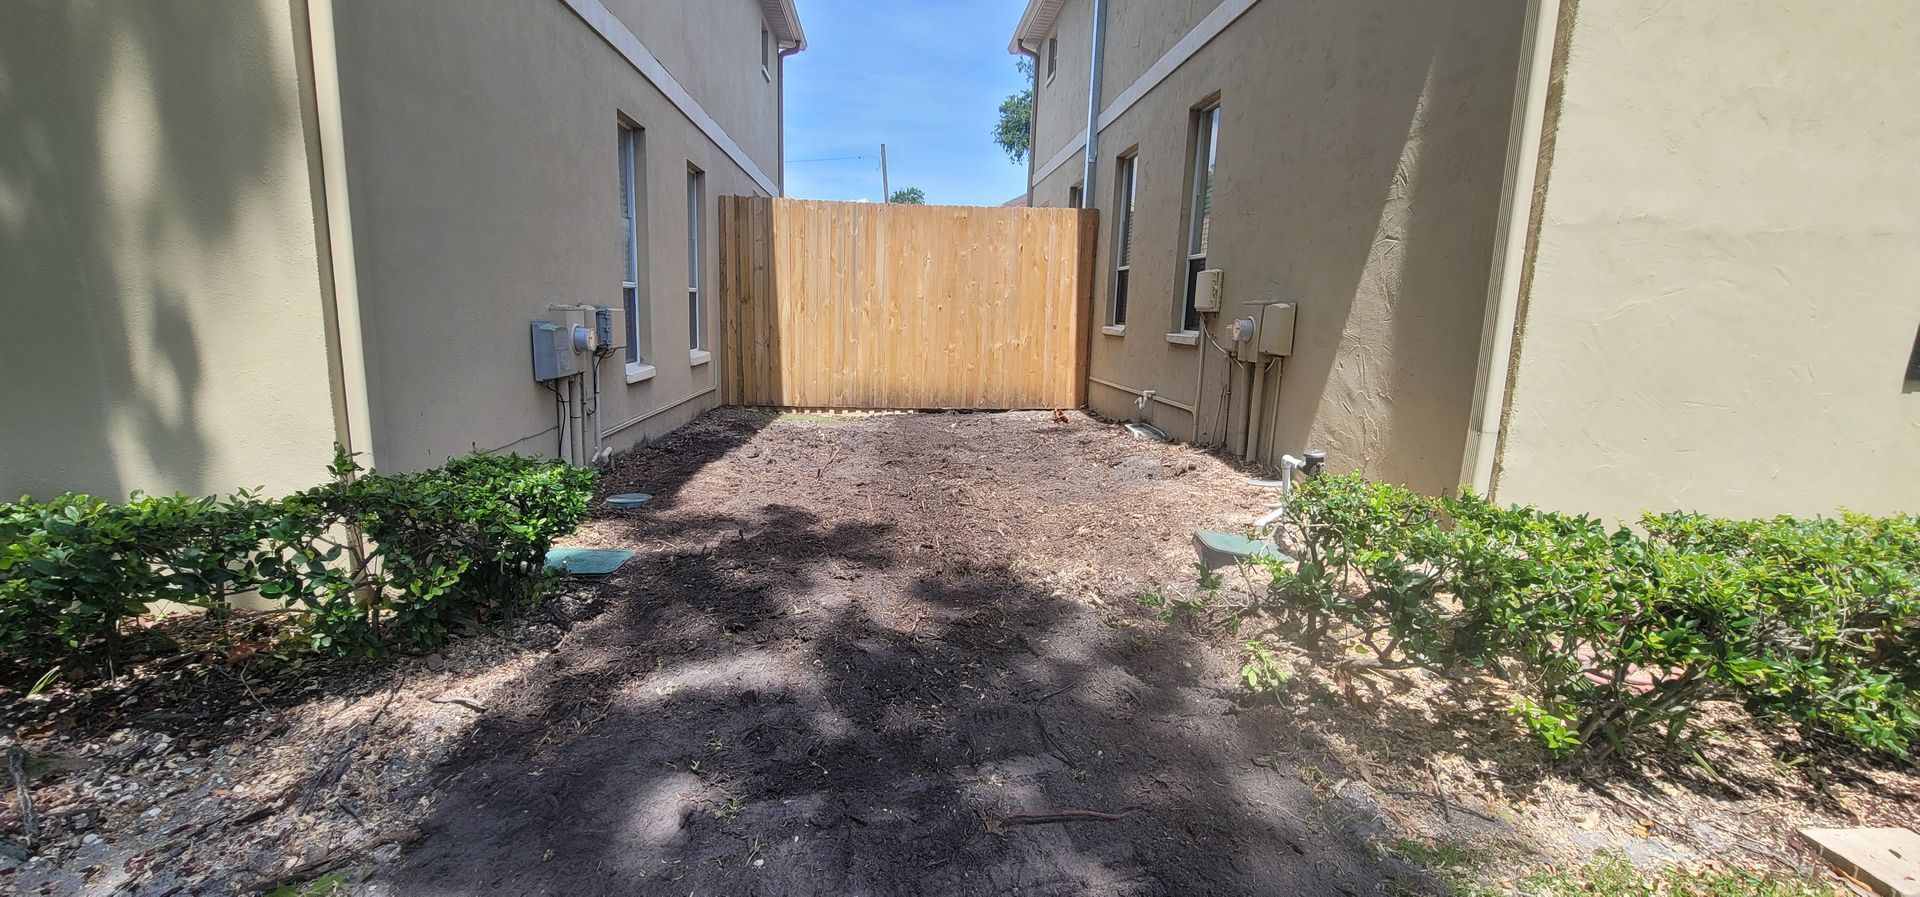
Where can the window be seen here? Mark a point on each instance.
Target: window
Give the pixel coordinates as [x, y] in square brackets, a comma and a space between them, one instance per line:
[1913, 364]
[1123, 239]
[1206, 143]
[696, 319]
[630, 224]
[1074, 196]
[1053, 56]
[766, 50]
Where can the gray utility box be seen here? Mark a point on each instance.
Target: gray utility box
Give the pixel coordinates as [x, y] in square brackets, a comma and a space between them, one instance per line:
[611, 325]
[553, 355]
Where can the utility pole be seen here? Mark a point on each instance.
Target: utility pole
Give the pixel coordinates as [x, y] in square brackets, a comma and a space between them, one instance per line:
[886, 194]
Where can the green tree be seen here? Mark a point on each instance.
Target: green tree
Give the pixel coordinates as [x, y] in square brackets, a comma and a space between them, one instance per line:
[1014, 133]
[908, 196]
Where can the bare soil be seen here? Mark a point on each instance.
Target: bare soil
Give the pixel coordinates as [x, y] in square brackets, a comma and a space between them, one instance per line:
[879, 654]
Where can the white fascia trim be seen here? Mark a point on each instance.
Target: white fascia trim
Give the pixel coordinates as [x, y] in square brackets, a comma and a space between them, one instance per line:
[1035, 23]
[622, 39]
[784, 21]
[1169, 62]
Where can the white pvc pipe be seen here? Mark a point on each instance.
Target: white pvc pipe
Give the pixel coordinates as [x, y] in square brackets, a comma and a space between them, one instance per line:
[330, 128]
[1256, 400]
[1503, 292]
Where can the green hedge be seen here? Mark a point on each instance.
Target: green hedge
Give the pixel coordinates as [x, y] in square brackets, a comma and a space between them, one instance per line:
[366, 561]
[1604, 631]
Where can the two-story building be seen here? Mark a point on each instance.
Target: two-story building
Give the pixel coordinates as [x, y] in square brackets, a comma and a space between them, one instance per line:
[1599, 256]
[235, 232]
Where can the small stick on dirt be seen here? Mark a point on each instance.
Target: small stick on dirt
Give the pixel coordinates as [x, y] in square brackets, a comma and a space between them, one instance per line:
[337, 767]
[17, 768]
[1046, 740]
[994, 825]
[1440, 793]
[468, 703]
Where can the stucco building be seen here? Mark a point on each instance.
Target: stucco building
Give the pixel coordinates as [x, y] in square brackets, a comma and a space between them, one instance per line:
[1597, 256]
[234, 232]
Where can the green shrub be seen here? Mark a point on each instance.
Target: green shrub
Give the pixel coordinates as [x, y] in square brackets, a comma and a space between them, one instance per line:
[367, 561]
[1607, 632]
[72, 568]
[399, 560]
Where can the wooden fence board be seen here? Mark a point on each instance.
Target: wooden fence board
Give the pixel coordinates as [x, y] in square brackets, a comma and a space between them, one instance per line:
[865, 306]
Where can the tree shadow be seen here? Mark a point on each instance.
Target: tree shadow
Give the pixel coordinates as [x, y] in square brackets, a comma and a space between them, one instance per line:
[142, 146]
[782, 701]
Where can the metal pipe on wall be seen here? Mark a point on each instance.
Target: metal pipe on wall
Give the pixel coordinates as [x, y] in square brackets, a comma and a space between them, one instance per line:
[1088, 180]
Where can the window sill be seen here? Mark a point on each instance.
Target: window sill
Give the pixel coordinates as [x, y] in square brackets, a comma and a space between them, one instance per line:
[1184, 338]
[639, 373]
[697, 357]
[1114, 330]
[766, 74]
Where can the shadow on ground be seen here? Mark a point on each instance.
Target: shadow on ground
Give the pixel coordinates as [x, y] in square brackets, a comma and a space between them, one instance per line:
[791, 697]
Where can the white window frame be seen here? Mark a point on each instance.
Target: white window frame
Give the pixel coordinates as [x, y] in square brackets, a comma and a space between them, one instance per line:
[766, 54]
[1053, 57]
[696, 222]
[632, 155]
[1204, 144]
[1126, 196]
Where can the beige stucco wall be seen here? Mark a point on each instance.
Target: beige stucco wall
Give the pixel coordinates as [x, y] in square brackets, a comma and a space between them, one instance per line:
[1060, 104]
[1724, 301]
[482, 159]
[713, 50]
[1360, 165]
[160, 309]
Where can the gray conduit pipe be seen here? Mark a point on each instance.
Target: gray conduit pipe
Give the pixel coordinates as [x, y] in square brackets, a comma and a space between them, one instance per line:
[659, 411]
[1141, 392]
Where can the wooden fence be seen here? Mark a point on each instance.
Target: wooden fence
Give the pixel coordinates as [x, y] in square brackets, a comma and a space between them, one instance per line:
[856, 305]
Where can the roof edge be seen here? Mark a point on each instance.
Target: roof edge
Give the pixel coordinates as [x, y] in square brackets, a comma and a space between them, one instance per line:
[1035, 24]
[784, 21]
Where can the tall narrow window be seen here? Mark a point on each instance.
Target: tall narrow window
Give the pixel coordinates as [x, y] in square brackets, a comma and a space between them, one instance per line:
[1123, 239]
[630, 194]
[696, 317]
[1206, 142]
[1053, 56]
[766, 50]
[1913, 364]
[1073, 196]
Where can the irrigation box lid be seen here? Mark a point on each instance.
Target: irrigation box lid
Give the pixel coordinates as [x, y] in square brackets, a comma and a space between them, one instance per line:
[586, 561]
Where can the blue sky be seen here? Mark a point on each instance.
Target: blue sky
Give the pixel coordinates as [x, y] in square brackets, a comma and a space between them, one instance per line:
[925, 77]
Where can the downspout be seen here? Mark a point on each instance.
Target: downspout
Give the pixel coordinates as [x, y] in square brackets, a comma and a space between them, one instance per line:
[351, 351]
[1490, 394]
[780, 61]
[1033, 119]
[1093, 102]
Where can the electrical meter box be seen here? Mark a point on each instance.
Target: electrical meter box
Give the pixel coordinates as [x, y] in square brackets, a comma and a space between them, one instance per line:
[610, 326]
[1276, 329]
[580, 323]
[553, 354]
[1206, 290]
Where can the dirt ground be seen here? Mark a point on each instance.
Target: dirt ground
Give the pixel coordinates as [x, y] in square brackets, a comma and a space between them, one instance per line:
[863, 655]
[877, 655]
